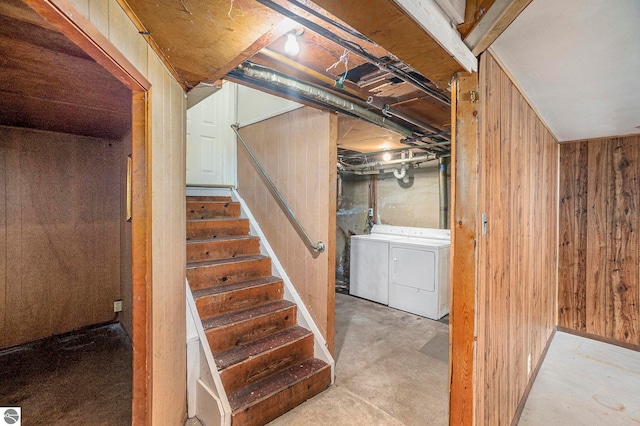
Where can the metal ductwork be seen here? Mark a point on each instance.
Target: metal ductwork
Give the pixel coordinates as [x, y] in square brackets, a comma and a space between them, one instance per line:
[308, 91]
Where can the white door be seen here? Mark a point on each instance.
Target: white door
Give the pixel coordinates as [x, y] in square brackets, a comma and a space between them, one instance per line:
[211, 143]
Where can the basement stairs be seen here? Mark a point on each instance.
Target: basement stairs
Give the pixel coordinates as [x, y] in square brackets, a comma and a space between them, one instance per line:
[265, 359]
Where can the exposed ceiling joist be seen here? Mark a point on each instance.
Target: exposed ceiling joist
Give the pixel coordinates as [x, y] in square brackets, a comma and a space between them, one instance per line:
[432, 20]
[494, 21]
[389, 26]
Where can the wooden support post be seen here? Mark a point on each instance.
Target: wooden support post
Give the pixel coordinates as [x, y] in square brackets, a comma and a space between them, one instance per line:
[464, 219]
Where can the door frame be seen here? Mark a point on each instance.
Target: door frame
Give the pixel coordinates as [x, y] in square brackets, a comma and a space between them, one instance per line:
[79, 30]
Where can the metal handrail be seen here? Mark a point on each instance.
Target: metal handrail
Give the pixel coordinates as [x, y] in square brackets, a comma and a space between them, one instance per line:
[319, 247]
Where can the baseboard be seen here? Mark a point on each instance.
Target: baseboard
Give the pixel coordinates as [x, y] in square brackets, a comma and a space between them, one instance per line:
[608, 340]
[525, 395]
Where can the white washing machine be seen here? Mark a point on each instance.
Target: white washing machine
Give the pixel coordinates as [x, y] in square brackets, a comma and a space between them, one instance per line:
[404, 267]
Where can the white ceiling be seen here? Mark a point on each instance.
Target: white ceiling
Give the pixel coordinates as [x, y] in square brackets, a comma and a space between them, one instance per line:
[578, 62]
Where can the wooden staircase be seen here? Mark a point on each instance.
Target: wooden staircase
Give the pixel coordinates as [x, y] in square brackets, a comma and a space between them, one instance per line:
[266, 361]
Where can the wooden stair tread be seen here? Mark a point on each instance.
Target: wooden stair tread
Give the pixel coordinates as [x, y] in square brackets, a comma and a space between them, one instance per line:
[225, 238]
[209, 291]
[246, 314]
[256, 347]
[226, 261]
[275, 383]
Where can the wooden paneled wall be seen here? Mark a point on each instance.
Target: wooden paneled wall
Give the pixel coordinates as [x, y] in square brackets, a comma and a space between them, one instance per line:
[298, 151]
[599, 244]
[59, 233]
[516, 289]
[166, 158]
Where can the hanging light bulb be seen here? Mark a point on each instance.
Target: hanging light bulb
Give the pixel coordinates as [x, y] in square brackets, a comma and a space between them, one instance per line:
[386, 156]
[291, 47]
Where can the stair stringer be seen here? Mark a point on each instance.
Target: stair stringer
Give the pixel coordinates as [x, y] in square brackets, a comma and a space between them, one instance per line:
[206, 397]
[290, 293]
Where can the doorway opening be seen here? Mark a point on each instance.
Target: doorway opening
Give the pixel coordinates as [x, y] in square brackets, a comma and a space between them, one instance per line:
[74, 235]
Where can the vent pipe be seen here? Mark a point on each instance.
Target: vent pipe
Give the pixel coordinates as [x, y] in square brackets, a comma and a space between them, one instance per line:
[444, 192]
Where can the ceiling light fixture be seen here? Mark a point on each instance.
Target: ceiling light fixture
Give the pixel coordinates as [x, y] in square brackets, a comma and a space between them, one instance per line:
[291, 47]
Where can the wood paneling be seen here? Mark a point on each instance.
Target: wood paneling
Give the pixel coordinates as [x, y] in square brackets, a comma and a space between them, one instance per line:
[165, 162]
[516, 288]
[298, 151]
[598, 265]
[61, 207]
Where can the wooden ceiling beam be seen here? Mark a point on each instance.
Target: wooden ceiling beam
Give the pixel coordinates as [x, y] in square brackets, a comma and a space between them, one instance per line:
[278, 31]
[492, 23]
[432, 20]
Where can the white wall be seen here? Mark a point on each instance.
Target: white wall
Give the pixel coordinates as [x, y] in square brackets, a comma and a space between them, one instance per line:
[255, 106]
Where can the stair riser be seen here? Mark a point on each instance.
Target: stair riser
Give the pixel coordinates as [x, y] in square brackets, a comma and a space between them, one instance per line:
[217, 229]
[199, 198]
[223, 338]
[219, 304]
[210, 210]
[223, 249]
[278, 404]
[262, 365]
[228, 273]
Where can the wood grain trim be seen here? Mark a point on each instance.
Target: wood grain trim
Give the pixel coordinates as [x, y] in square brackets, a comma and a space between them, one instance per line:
[64, 17]
[598, 338]
[141, 258]
[331, 238]
[532, 379]
[464, 212]
[604, 138]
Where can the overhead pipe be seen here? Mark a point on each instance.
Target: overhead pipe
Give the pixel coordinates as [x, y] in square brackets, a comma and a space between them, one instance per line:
[390, 111]
[400, 174]
[378, 164]
[358, 50]
[381, 171]
[309, 91]
[444, 192]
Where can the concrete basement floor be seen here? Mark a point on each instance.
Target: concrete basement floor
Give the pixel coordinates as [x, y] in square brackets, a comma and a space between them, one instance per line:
[81, 378]
[585, 382]
[391, 369]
